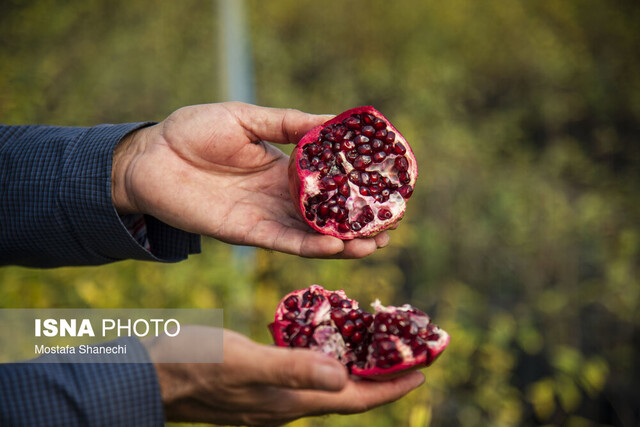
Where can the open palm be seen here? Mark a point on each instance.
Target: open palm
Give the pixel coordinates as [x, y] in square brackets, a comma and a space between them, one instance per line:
[207, 169]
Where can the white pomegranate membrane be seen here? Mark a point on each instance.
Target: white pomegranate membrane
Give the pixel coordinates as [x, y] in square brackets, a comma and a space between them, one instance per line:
[378, 345]
[352, 176]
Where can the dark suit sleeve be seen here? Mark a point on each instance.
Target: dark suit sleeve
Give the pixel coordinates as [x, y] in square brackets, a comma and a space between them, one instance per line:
[55, 201]
[75, 394]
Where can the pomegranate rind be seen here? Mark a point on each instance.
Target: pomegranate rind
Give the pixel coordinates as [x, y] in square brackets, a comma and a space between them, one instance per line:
[297, 187]
[337, 347]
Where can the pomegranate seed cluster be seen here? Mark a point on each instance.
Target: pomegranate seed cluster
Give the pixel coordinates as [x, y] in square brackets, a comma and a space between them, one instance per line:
[390, 338]
[357, 158]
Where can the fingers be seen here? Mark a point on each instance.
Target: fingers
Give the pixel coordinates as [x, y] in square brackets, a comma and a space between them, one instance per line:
[382, 239]
[285, 126]
[314, 245]
[298, 369]
[360, 396]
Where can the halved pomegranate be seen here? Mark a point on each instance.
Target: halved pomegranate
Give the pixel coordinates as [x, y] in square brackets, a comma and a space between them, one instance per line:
[378, 345]
[351, 176]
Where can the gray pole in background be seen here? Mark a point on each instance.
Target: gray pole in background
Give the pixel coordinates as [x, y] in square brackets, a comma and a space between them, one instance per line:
[237, 84]
[236, 64]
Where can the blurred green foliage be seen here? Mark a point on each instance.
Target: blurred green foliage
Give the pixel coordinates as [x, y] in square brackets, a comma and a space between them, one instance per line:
[522, 236]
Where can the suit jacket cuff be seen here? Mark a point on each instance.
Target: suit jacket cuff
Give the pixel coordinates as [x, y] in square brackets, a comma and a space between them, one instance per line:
[85, 196]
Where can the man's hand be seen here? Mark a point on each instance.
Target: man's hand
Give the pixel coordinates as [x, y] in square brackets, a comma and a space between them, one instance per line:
[207, 169]
[262, 385]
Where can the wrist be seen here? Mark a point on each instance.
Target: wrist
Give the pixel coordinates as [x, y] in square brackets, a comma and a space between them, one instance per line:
[126, 154]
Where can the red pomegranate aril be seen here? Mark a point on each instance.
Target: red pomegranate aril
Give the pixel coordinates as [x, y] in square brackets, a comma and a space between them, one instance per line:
[368, 118]
[340, 179]
[379, 124]
[291, 316]
[386, 346]
[353, 315]
[361, 162]
[347, 145]
[357, 337]
[368, 213]
[327, 162]
[391, 137]
[399, 148]
[343, 227]
[353, 123]
[291, 303]
[365, 149]
[335, 300]
[345, 303]
[348, 328]
[300, 341]
[384, 214]
[377, 145]
[328, 183]
[368, 131]
[352, 155]
[314, 149]
[306, 330]
[323, 210]
[405, 191]
[338, 317]
[367, 318]
[401, 164]
[365, 178]
[394, 357]
[334, 210]
[379, 156]
[293, 328]
[381, 133]
[361, 139]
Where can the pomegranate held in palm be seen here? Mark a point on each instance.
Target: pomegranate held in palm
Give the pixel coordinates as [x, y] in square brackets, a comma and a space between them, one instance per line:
[377, 345]
[352, 176]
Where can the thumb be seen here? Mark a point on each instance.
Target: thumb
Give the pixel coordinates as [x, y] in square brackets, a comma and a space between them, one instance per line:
[300, 369]
[279, 125]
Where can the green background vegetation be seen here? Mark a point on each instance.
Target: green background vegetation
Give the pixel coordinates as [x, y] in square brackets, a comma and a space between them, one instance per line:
[522, 236]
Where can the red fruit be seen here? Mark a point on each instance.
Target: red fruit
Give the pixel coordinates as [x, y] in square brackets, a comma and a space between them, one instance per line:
[358, 142]
[381, 345]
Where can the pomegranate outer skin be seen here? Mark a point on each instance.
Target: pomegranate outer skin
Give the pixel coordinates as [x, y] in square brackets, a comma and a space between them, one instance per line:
[295, 185]
[374, 373]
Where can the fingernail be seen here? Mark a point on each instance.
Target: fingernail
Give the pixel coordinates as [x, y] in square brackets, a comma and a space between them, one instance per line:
[329, 377]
